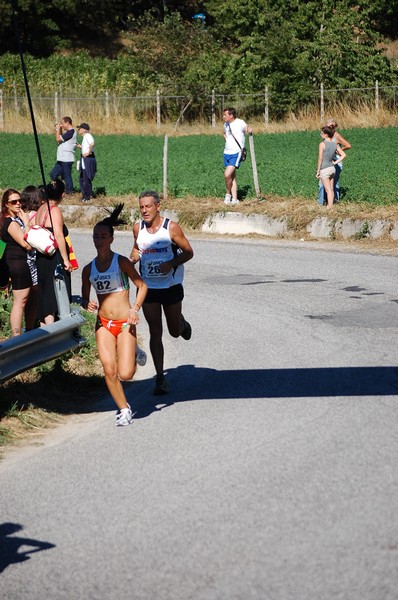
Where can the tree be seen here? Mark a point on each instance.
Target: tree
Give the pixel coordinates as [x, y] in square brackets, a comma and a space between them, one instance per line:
[176, 55]
[294, 46]
[45, 27]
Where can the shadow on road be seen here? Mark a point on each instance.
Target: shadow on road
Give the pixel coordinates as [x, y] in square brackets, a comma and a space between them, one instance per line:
[10, 546]
[188, 382]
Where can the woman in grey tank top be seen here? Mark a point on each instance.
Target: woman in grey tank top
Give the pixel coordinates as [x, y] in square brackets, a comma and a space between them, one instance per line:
[325, 169]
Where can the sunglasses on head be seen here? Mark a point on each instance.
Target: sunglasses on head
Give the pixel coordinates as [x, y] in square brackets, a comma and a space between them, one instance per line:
[14, 201]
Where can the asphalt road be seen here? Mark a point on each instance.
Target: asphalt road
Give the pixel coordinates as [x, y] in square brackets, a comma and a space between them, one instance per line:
[268, 473]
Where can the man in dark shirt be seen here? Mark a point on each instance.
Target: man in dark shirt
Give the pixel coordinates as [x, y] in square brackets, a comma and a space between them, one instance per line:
[66, 137]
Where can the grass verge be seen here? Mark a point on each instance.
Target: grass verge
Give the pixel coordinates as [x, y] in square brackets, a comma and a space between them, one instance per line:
[41, 397]
[299, 211]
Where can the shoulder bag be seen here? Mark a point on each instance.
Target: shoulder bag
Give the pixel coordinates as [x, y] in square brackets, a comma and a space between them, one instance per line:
[41, 239]
[243, 151]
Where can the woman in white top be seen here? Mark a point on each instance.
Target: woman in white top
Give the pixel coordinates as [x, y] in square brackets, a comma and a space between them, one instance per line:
[109, 274]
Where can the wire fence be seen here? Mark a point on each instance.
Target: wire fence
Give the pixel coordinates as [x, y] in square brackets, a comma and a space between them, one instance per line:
[159, 108]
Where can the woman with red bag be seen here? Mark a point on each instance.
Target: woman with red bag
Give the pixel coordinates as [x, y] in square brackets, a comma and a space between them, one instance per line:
[46, 265]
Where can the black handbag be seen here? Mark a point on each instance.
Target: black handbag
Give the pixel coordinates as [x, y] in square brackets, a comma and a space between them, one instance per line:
[243, 151]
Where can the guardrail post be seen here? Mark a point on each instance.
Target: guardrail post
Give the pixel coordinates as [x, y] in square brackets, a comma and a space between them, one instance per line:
[61, 293]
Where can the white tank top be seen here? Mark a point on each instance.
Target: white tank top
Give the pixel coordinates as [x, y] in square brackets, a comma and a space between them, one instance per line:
[155, 249]
[112, 280]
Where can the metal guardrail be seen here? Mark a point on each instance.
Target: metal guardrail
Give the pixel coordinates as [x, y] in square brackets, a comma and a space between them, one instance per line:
[40, 345]
[45, 343]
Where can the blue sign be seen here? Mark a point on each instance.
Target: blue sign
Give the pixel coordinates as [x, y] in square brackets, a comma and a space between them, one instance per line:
[1, 79]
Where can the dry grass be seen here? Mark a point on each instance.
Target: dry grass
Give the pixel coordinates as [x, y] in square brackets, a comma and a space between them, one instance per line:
[31, 402]
[306, 120]
[28, 424]
[192, 211]
[391, 51]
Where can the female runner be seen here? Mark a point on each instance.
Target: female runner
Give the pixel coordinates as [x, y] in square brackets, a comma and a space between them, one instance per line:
[116, 335]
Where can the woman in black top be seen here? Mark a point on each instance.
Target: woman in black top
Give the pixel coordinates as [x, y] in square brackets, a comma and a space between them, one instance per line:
[14, 224]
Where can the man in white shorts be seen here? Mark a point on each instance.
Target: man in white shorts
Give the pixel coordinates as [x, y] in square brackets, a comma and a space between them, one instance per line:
[234, 135]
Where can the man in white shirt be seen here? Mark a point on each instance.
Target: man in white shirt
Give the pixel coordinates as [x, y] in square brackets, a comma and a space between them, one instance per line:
[234, 134]
[88, 163]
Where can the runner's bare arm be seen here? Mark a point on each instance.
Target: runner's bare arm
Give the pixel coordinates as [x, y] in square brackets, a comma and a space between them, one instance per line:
[134, 254]
[177, 237]
[345, 145]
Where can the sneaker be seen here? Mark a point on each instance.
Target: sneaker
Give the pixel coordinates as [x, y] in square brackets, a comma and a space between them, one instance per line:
[140, 356]
[234, 201]
[124, 417]
[84, 200]
[227, 199]
[187, 331]
[161, 386]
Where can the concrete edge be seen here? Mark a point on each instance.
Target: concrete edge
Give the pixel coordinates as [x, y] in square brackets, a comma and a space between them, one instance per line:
[234, 223]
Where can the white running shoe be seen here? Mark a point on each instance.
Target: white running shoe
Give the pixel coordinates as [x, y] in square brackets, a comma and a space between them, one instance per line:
[227, 199]
[234, 201]
[140, 356]
[124, 417]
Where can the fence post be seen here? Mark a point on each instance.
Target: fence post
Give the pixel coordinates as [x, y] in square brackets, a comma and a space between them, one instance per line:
[322, 104]
[60, 101]
[254, 166]
[56, 113]
[165, 153]
[377, 95]
[1, 110]
[14, 87]
[213, 108]
[266, 105]
[107, 104]
[158, 109]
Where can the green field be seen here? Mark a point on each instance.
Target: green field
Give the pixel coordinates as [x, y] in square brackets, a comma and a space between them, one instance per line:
[286, 164]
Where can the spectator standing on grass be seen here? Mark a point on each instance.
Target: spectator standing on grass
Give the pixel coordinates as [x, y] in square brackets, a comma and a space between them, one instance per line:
[66, 138]
[14, 223]
[234, 135]
[344, 145]
[46, 265]
[88, 162]
[161, 248]
[115, 330]
[327, 162]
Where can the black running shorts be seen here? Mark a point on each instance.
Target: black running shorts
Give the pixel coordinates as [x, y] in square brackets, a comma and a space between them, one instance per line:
[165, 296]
